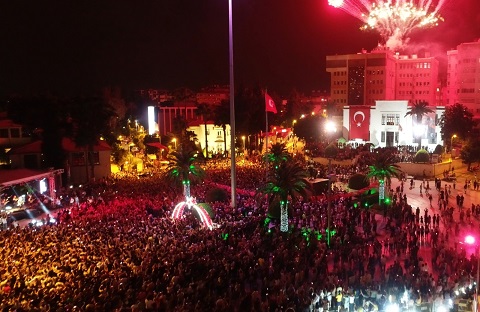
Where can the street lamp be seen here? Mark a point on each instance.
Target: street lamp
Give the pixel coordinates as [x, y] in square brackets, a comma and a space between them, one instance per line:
[174, 140]
[470, 240]
[330, 127]
[243, 138]
[451, 142]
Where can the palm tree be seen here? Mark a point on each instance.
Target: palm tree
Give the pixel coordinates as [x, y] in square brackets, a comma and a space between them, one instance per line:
[221, 117]
[277, 155]
[419, 109]
[286, 183]
[383, 168]
[205, 111]
[184, 164]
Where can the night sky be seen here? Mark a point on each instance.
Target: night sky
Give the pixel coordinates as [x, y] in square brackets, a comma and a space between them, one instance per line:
[77, 47]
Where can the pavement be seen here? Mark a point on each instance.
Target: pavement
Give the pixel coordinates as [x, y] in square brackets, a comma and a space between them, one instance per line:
[415, 199]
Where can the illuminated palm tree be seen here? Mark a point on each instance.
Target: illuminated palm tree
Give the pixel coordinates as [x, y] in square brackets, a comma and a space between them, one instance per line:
[277, 155]
[383, 168]
[184, 164]
[287, 183]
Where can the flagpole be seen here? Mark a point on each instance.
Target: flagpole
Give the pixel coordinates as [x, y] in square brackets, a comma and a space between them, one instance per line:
[266, 129]
[233, 180]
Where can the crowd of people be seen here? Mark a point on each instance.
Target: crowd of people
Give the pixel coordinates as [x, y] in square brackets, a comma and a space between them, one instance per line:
[114, 247]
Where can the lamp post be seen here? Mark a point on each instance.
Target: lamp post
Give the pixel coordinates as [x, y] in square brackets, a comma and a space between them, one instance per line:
[470, 240]
[329, 128]
[451, 142]
[243, 139]
[174, 140]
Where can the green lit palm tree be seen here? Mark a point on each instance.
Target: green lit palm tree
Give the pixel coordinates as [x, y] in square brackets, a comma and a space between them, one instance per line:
[277, 155]
[287, 183]
[183, 165]
[383, 168]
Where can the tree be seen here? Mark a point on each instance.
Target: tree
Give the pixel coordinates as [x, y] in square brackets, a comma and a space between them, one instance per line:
[286, 183]
[206, 112]
[294, 107]
[183, 165]
[310, 128]
[358, 181]
[90, 119]
[331, 151]
[383, 168]
[331, 108]
[419, 109]
[421, 156]
[470, 153]
[458, 120]
[278, 154]
[183, 95]
[221, 117]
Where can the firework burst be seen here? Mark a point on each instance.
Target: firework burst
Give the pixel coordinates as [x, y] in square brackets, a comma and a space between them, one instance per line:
[393, 19]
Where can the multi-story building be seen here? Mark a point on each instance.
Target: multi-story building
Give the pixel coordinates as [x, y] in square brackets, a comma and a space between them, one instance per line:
[362, 83]
[363, 78]
[417, 79]
[463, 76]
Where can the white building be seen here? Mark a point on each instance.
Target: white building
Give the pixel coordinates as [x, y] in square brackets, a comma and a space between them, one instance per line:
[216, 137]
[387, 124]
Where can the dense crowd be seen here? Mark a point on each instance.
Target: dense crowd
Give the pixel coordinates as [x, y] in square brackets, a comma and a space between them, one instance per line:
[114, 247]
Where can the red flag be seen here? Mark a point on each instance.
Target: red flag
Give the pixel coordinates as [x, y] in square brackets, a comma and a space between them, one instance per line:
[270, 104]
[359, 122]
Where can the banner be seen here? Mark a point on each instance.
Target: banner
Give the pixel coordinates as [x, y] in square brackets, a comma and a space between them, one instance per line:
[359, 123]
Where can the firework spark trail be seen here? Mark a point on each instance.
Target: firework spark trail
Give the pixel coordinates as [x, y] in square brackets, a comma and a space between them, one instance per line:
[394, 20]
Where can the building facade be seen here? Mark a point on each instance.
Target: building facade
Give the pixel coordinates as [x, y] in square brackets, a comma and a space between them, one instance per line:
[218, 140]
[363, 78]
[376, 90]
[11, 134]
[463, 76]
[416, 79]
[386, 124]
[167, 117]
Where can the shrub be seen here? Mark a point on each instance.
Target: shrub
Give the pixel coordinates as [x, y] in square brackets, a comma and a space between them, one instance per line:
[421, 156]
[216, 194]
[358, 181]
[331, 151]
[438, 149]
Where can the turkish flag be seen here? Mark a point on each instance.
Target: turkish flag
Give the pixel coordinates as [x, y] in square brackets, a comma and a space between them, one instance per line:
[270, 104]
[359, 122]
